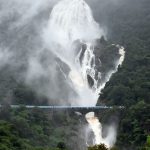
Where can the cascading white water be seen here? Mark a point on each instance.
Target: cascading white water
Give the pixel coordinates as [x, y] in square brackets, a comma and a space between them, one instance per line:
[72, 20]
[96, 126]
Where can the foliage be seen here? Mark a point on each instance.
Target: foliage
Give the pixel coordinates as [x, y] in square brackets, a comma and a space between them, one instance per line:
[148, 141]
[134, 126]
[36, 129]
[98, 147]
[61, 145]
[128, 24]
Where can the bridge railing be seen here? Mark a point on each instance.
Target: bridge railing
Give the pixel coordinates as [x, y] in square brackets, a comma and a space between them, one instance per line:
[65, 107]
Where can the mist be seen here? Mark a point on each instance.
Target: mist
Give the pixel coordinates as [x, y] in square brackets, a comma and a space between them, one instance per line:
[21, 29]
[28, 42]
[49, 49]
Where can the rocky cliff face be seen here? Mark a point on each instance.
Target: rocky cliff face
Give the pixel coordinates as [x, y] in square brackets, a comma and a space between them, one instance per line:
[31, 73]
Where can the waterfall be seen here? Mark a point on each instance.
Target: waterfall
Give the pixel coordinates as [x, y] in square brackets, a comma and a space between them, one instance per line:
[71, 21]
[96, 126]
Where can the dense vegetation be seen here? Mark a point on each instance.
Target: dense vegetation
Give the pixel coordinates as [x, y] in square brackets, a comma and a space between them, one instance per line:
[35, 129]
[135, 127]
[129, 25]
[130, 28]
[98, 147]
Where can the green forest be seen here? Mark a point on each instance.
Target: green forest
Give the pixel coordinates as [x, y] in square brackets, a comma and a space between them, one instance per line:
[130, 86]
[35, 129]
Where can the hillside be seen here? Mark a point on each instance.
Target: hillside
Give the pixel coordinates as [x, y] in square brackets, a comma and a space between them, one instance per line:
[23, 82]
[129, 25]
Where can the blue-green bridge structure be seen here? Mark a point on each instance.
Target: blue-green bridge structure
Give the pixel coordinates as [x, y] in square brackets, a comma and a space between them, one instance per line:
[76, 108]
[65, 107]
[79, 110]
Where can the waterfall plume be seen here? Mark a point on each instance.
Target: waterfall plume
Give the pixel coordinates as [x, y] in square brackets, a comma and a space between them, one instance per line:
[72, 22]
[96, 127]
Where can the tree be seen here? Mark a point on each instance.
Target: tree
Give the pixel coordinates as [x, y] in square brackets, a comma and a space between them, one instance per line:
[148, 141]
[98, 147]
[61, 145]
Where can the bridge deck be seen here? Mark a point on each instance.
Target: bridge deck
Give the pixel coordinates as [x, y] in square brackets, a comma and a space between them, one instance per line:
[66, 107]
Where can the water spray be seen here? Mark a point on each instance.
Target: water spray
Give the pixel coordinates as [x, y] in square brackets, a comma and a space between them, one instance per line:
[72, 20]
